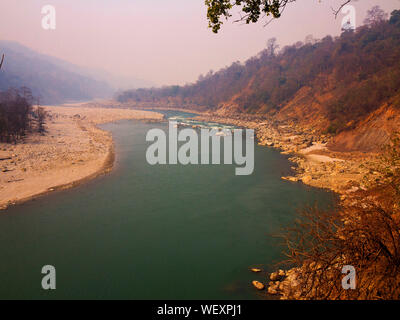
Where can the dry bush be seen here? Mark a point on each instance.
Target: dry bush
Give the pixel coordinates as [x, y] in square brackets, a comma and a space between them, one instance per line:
[363, 232]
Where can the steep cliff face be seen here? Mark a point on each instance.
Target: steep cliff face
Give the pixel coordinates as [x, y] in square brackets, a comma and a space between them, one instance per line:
[366, 134]
[371, 134]
[306, 109]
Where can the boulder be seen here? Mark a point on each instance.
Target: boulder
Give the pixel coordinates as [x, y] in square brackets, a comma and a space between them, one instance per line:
[258, 285]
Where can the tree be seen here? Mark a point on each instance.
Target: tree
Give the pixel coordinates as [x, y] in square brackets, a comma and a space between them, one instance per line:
[251, 9]
[272, 46]
[15, 112]
[375, 15]
[395, 17]
[310, 40]
[41, 115]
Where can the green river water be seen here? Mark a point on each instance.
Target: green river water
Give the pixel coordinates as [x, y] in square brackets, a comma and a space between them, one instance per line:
[153, 232]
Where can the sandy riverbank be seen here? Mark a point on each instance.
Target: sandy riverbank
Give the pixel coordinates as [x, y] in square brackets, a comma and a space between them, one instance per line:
[72, 150]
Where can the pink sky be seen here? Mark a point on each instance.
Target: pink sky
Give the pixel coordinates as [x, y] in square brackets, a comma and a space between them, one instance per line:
[162, 41]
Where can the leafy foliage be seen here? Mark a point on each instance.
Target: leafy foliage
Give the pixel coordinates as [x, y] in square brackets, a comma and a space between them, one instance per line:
[252, 9]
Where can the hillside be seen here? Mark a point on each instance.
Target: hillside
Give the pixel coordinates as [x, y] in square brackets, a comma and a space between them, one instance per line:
[49, 78]
[347, 87]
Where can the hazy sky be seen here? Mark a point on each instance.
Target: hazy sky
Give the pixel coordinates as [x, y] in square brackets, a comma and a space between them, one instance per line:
[162, 41]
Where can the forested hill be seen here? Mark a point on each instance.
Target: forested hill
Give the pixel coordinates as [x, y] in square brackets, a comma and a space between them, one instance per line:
[50, 79]
[331, 84]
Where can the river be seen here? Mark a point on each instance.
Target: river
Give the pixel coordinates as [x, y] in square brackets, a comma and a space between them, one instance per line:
[153, 232]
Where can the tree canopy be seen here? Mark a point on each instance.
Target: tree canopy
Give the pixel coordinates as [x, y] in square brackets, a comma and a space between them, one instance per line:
[375, 15]
[251, 10]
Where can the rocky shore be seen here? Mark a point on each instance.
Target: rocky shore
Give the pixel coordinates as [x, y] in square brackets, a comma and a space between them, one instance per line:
[71, 151]
[315, 164]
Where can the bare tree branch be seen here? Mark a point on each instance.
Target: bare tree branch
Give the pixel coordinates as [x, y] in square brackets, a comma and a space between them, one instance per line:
[337, 11]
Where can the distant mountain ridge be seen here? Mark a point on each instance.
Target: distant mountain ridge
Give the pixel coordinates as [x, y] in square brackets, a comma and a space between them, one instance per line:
[52, 80]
